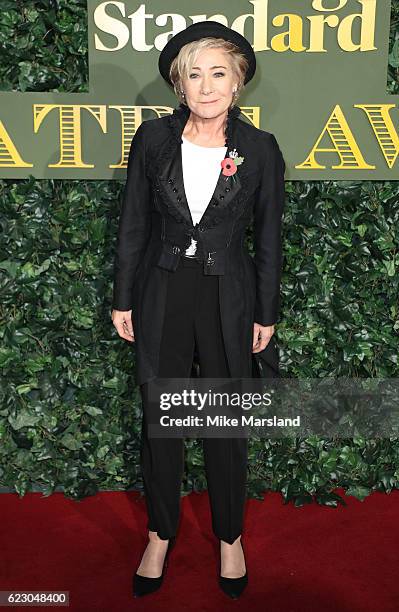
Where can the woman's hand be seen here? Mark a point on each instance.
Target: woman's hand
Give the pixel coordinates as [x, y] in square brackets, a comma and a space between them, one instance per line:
[262, 335]
[122, 320]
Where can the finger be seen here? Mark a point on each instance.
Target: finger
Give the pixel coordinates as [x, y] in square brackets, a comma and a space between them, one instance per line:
[265, 341]
[262, 344]
[122, 332]
[255, 339]
[129, 327]
[129, 334]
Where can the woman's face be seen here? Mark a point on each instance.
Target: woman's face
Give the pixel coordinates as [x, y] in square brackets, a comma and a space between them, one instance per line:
[210, 83]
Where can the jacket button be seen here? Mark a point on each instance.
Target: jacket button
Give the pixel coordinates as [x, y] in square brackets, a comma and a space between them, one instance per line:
[174, 189]
[221, 197]
[178, 198]
[170, 181]
[227, 189]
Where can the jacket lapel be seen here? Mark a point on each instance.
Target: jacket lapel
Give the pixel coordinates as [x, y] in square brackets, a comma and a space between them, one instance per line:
[226, 189]
[171, 171]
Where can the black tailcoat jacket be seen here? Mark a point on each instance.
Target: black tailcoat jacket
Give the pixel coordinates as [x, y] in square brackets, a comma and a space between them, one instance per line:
[155, 228]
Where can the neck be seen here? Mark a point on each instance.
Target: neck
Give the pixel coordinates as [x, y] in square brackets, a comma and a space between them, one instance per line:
[208, 129]
[180, 116]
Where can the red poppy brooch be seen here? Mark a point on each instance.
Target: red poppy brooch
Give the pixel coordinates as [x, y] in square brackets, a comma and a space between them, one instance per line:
[230, 164]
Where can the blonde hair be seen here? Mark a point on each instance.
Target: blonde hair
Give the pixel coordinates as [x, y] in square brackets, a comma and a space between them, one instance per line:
[183, 62]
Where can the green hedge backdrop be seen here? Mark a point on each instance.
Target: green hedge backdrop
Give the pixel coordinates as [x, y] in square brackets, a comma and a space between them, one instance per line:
[70, 414]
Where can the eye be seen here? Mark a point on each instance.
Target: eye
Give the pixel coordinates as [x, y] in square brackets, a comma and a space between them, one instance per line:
[222, 73]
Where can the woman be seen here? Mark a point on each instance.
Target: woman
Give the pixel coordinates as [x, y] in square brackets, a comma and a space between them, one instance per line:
[184, 284]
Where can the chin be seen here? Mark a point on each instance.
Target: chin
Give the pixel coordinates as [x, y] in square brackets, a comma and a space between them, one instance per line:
[213, 109]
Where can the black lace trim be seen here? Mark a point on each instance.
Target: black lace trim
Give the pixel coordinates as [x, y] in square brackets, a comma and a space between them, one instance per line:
[222, 211]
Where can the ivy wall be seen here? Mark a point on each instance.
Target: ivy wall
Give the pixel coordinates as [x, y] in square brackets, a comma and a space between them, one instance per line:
[70, 414]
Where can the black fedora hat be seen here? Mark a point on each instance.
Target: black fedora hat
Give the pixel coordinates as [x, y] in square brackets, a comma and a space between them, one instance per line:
[199, 30]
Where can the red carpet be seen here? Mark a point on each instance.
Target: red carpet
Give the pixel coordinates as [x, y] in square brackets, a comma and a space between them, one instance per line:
[341, 559]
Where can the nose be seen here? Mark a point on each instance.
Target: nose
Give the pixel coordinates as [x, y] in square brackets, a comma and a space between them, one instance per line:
[206, 85]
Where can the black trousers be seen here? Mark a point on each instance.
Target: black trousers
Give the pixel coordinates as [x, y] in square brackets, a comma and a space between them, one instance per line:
[192, 323]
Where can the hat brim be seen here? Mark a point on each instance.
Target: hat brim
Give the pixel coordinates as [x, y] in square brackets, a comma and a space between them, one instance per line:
[199, 30]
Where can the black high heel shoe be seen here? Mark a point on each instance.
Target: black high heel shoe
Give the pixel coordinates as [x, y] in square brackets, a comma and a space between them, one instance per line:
[143, 585]
[233, 587]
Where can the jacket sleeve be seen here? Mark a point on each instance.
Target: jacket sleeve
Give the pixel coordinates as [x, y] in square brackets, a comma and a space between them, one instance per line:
[134, 224]
[268, 212]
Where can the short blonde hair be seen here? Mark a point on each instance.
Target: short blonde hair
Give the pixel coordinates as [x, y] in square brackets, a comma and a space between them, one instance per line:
[183, 62]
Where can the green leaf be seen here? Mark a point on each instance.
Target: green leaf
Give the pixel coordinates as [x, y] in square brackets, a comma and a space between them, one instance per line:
[93, 410]
[358, 491]
[70, 442]
[23, 419]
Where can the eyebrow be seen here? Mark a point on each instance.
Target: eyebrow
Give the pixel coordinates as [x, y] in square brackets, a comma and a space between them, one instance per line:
[212, 67]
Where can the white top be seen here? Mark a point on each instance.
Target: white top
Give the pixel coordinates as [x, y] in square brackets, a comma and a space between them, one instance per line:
[201, 170]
